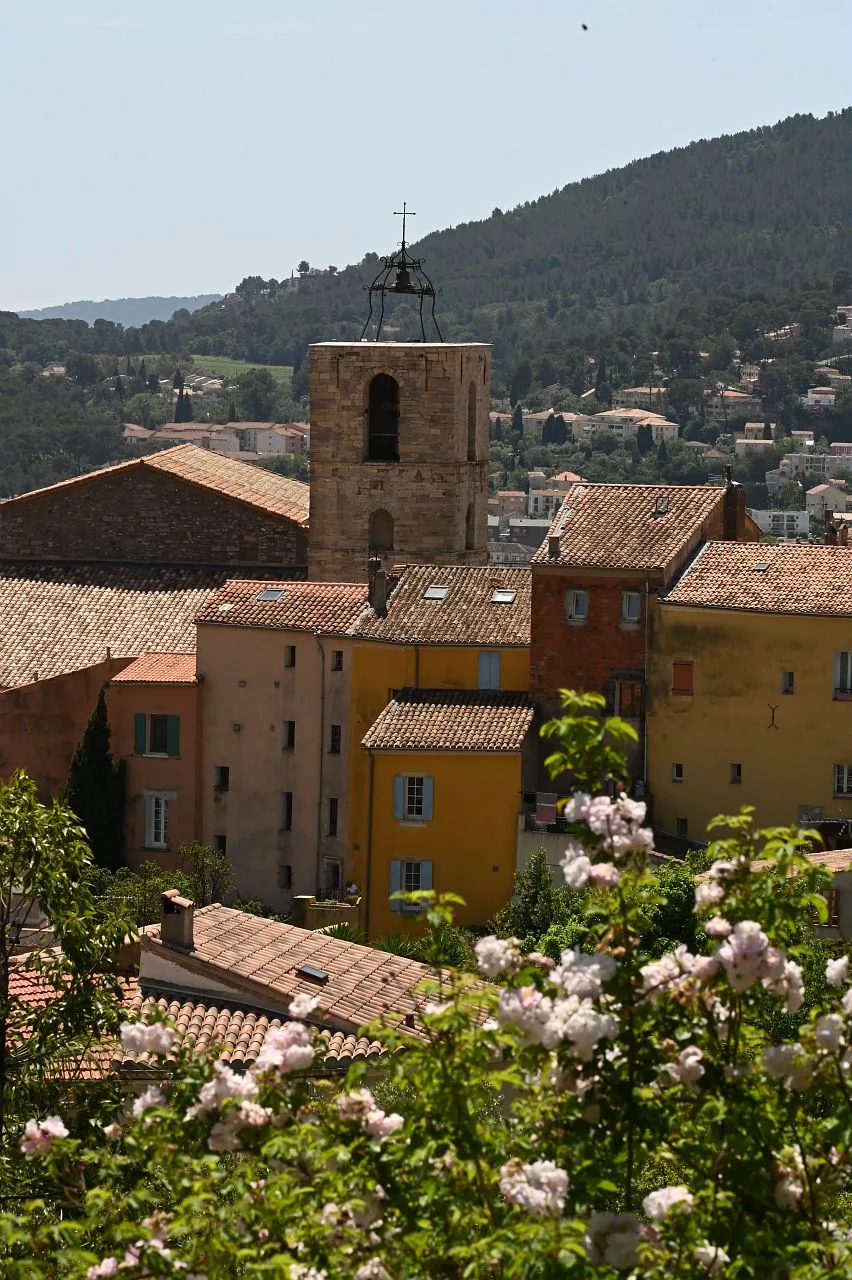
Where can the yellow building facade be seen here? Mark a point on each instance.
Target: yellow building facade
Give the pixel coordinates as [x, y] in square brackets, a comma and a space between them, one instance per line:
[750, 688]
[459, 641]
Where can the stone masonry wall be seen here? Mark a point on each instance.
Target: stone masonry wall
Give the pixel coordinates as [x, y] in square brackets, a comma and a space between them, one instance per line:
[143, 515]
[429, 490]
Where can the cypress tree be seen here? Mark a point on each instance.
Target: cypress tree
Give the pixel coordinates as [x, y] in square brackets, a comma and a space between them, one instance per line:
[94, 789]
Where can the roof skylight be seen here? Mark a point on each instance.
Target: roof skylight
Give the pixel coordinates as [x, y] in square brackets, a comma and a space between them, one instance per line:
[435, 593]
[503, 596]
[271, 593]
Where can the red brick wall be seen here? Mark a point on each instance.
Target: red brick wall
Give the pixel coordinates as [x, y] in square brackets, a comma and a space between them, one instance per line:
[144, 515]
[582, 657]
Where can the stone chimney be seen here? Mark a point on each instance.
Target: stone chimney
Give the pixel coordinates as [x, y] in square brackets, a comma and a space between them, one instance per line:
[377, 586]
[553, 545]
[830, 530]
[843, 536]
[733, 510]
[177, 917]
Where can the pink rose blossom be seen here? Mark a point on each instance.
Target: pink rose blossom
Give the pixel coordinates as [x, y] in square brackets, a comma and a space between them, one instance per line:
[40, 1135]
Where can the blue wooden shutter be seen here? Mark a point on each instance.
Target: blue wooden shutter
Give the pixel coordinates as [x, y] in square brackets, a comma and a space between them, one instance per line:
[173, 735]
[140, 726]
[428, 793]
[395, 881]
[426, 874]
[399, 797]
[489, 671]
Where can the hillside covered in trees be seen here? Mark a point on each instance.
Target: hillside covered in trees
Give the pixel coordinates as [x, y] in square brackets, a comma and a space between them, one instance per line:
[126, 311]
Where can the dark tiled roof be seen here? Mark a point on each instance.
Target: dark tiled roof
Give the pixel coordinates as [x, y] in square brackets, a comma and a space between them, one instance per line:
[796, 578]
[301, 606]
[159, 668]
[58, 618]
[438, 720]
[628, 526]
[465, 615]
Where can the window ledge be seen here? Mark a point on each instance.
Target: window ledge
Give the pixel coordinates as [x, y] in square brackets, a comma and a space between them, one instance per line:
[843, 695]
[413, 822]
[575, 622]
[158, 755]
[628, 624]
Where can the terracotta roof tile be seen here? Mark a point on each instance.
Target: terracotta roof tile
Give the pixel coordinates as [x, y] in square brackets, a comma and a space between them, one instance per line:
[58, 618]
[438, 720]
[159, 668]
[286, 606]
[254, 485]
[466, 614]
[832, 859]
[628, 526]
[260, 959]
[799, 578]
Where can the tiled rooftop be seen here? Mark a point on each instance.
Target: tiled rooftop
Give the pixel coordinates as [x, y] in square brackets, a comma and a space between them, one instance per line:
[286, 606]
[253, 485]
[466, 614]
[159, 668]
[628, 526]
[442, 720]
[237, 1032]
[260, 960]
[58, 618]
[832, 859]
[788, 578]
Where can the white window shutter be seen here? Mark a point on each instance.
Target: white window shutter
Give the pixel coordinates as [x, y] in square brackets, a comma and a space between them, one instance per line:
[395, 883]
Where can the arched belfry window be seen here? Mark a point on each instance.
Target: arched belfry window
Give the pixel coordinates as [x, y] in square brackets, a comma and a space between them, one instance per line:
[381, 531]
[471, 422]
[383, 419]
[470, 530]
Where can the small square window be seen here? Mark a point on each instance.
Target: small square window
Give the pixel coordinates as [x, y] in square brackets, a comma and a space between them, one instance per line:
[677, 773]
[332, 815]
[337, 659]
[681, 827]
[501, 596]
[788, 682]
[736, 773]
[289, 735]
[631, 606]
[576, 606]
[289, 655]
[271, 593]
[334, 740]
[435, 593]
[221, 778]
[220, 844]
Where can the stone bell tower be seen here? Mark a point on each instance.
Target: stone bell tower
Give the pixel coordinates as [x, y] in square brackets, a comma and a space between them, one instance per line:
[399, 445]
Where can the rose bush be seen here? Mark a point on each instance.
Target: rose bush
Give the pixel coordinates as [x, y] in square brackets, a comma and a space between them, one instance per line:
[609, 1114]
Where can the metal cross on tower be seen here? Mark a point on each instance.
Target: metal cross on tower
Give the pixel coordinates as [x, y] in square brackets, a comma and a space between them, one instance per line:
[406, 213]
[402, 274]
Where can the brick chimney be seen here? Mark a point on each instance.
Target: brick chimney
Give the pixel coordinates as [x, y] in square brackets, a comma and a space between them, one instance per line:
[177, 917]
[377, 586]
[733, 510]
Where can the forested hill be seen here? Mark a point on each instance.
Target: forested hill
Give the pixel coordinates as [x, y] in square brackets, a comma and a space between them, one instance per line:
[126, 311]
[766, 209]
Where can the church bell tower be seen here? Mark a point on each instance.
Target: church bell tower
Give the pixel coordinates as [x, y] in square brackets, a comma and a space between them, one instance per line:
[399, 443]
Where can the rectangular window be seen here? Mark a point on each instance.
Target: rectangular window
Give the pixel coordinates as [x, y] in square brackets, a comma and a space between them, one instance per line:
[289, 655]
[630, 698]
[681, 827]
[736, 773]
[489, 671]
[332, 815]
[285, 815]
[833, 917]
[843, 675]
[843, 779]
[332, 879]
[412, 798]
[677, 773]
[156, 822]
[631, 606]
[334, 740]
[576, 606]
[220, 844]
[682, 679]
[285, 875]
[221, 778]
[788, 682]
[337, 659]
[289, 735]
[409, 877]
[156, 735]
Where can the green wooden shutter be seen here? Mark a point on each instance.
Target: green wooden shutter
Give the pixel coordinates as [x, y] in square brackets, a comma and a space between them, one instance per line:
[173, 735]
[140, 725]
[399, 797]
[428, 793]
[395, 883]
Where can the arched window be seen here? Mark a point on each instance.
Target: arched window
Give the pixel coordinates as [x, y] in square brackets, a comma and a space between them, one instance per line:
[381, 531]
[248, 550]
[471, 422]
[470, 530]
[383, 419]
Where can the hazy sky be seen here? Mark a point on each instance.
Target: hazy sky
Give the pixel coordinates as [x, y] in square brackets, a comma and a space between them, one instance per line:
[173, 148]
